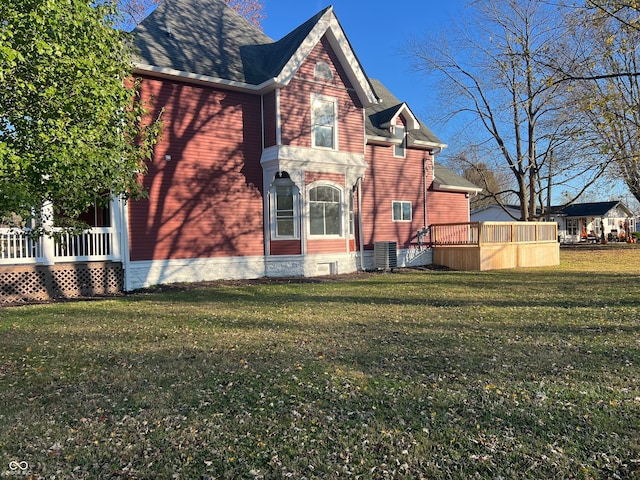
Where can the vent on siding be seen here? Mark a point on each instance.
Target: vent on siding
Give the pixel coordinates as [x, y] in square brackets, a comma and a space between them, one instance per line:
[385, 255]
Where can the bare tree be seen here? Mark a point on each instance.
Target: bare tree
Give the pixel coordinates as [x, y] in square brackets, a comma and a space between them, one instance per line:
[610, 98]
[494, 75]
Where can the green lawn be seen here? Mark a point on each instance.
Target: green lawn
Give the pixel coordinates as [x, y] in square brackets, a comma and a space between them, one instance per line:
[418, 374]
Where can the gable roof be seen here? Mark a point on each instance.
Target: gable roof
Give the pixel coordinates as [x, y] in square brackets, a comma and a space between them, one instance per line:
[379, 116]
[446, 180]
[201, 37]
[207, 41]
[592, 209]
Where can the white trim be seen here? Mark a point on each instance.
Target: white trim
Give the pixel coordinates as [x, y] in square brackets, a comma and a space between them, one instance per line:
[165, 72]
[412, 142]
[401, 202]
[412, 122]
[328, 25]
[287, 158]
[341, 212]
[278, 119]
[316, 97]
[402, 143]
[455, 188]
[273, 210]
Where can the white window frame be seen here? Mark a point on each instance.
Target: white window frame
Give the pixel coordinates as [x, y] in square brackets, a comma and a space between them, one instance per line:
[400, 132]
[315, 126]
[572, 226]
[402, 204]
[341, 209]
[274, 209]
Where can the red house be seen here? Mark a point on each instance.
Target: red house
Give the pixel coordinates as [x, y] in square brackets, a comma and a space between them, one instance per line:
[277, 158]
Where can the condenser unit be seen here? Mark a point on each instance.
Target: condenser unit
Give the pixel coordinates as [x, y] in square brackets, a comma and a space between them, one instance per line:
[385, 254]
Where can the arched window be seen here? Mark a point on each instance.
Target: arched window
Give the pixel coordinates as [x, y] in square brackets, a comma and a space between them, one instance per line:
[323, 71]
[324, 210]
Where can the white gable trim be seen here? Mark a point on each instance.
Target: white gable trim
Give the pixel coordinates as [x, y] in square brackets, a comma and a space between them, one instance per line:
[412, 121]
[329, 25]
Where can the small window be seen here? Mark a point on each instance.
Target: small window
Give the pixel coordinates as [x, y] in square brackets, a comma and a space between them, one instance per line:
[351, 215]
[323, 71]
[399, 150]
[285, 209]
[401, 211]
[324, 210]
[323, 117]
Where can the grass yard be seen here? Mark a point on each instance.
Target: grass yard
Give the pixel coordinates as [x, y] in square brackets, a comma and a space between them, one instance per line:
[419, 374]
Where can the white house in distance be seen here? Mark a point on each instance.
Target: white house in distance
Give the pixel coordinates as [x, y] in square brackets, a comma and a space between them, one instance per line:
[579, 222]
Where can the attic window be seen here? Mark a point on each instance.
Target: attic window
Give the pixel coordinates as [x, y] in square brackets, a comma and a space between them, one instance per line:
[323, 71]
[399, 150]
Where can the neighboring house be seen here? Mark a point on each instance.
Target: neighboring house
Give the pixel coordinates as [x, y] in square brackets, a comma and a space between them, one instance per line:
[587, 222]
[496, 213]
[577, 222]
[277, 158]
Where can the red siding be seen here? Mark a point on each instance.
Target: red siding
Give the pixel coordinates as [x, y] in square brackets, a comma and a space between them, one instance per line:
[269, 106]
[447, 207]
[285, 247]
[295, 101]
[390, 179]
[310, 177]
[337, 245]
[207, 200]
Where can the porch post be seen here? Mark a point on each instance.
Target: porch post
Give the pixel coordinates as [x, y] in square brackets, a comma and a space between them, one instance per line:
[48, 243]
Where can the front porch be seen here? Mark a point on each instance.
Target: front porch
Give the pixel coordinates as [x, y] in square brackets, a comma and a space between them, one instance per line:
[479, 246]
[65, 267]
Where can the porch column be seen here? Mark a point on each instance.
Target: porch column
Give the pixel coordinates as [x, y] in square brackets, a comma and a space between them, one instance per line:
[48, 252]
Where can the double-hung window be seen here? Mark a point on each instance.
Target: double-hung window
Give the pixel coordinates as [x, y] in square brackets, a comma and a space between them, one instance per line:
[324, 116]
[401, 211]
[324, 210]
[285, 209]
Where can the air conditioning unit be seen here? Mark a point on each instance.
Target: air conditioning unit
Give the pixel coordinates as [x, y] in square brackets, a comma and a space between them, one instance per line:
[385, 255]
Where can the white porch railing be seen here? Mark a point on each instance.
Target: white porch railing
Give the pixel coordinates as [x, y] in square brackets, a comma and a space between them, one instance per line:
[16, 247]
[98, 243]
[94, 244]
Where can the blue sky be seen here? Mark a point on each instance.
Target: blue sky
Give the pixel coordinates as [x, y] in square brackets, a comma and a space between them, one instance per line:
[379, 32]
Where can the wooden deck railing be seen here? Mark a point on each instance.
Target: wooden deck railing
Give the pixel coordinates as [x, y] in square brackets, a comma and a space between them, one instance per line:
[482, 233]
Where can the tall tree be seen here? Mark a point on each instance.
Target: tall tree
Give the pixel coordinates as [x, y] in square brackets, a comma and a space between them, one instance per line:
[136, 10]
[71, 125]
[494, 184]
[605, 81]
[495, 77]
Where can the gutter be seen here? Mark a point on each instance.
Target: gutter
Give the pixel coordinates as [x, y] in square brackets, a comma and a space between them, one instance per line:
[164, 72]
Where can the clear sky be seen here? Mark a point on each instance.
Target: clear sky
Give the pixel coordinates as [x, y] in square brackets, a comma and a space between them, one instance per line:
[379, 32]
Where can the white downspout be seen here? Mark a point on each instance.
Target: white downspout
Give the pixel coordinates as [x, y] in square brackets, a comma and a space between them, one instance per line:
[360, 223]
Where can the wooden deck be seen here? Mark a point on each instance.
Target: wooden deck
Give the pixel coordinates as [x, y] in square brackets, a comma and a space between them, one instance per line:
[480, 246]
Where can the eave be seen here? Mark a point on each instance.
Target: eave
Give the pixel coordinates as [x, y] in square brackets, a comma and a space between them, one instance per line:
[194, 78]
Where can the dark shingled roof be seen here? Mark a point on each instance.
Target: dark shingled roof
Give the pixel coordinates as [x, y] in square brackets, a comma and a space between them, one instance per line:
[594, 209]
[445, 177]
[377, 115]
[206, 37]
